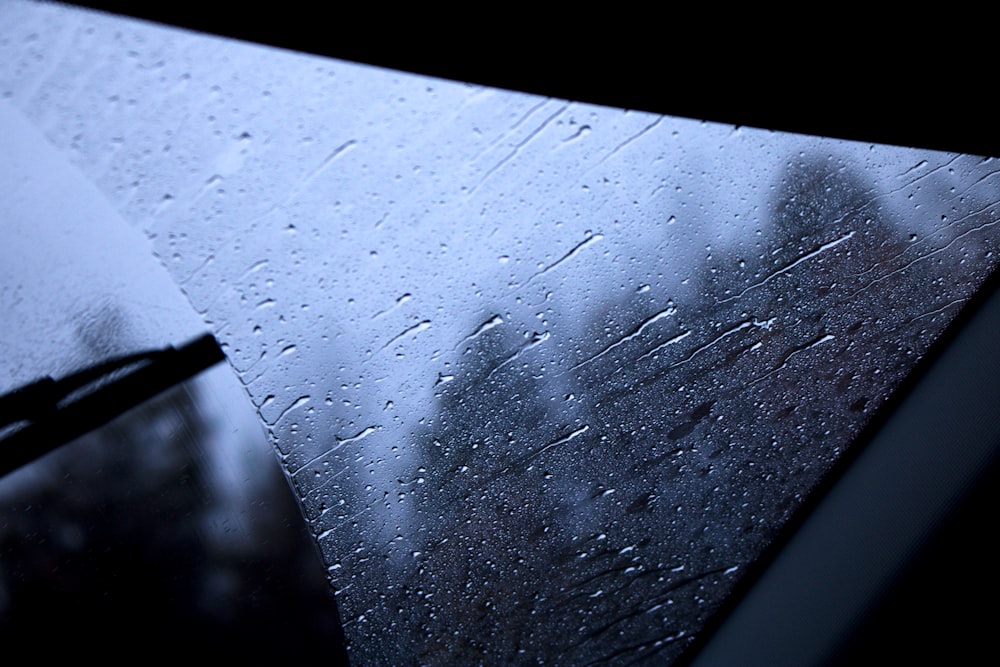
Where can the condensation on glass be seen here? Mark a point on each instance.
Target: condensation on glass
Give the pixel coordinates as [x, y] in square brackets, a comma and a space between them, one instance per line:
[545, 376]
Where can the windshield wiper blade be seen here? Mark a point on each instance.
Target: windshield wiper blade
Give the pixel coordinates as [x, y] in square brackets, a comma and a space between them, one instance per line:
[55, 412]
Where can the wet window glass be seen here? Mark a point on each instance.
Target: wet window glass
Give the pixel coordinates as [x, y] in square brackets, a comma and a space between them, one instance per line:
[545, 377]
[171, 525]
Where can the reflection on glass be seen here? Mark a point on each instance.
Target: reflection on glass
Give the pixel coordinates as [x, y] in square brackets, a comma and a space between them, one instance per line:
[546, 376]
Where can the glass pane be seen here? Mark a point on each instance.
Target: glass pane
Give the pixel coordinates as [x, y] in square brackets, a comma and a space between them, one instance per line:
[546, 376]
[173, 525]
[77, 284]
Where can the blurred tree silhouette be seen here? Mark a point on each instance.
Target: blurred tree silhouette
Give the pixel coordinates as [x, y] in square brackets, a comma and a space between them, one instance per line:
[625, 491]
[105, 547]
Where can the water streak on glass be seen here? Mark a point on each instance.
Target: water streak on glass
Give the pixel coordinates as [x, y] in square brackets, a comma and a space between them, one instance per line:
[545, 376]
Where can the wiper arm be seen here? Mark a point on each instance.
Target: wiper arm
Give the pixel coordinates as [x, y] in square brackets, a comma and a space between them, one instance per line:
[56, 412]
